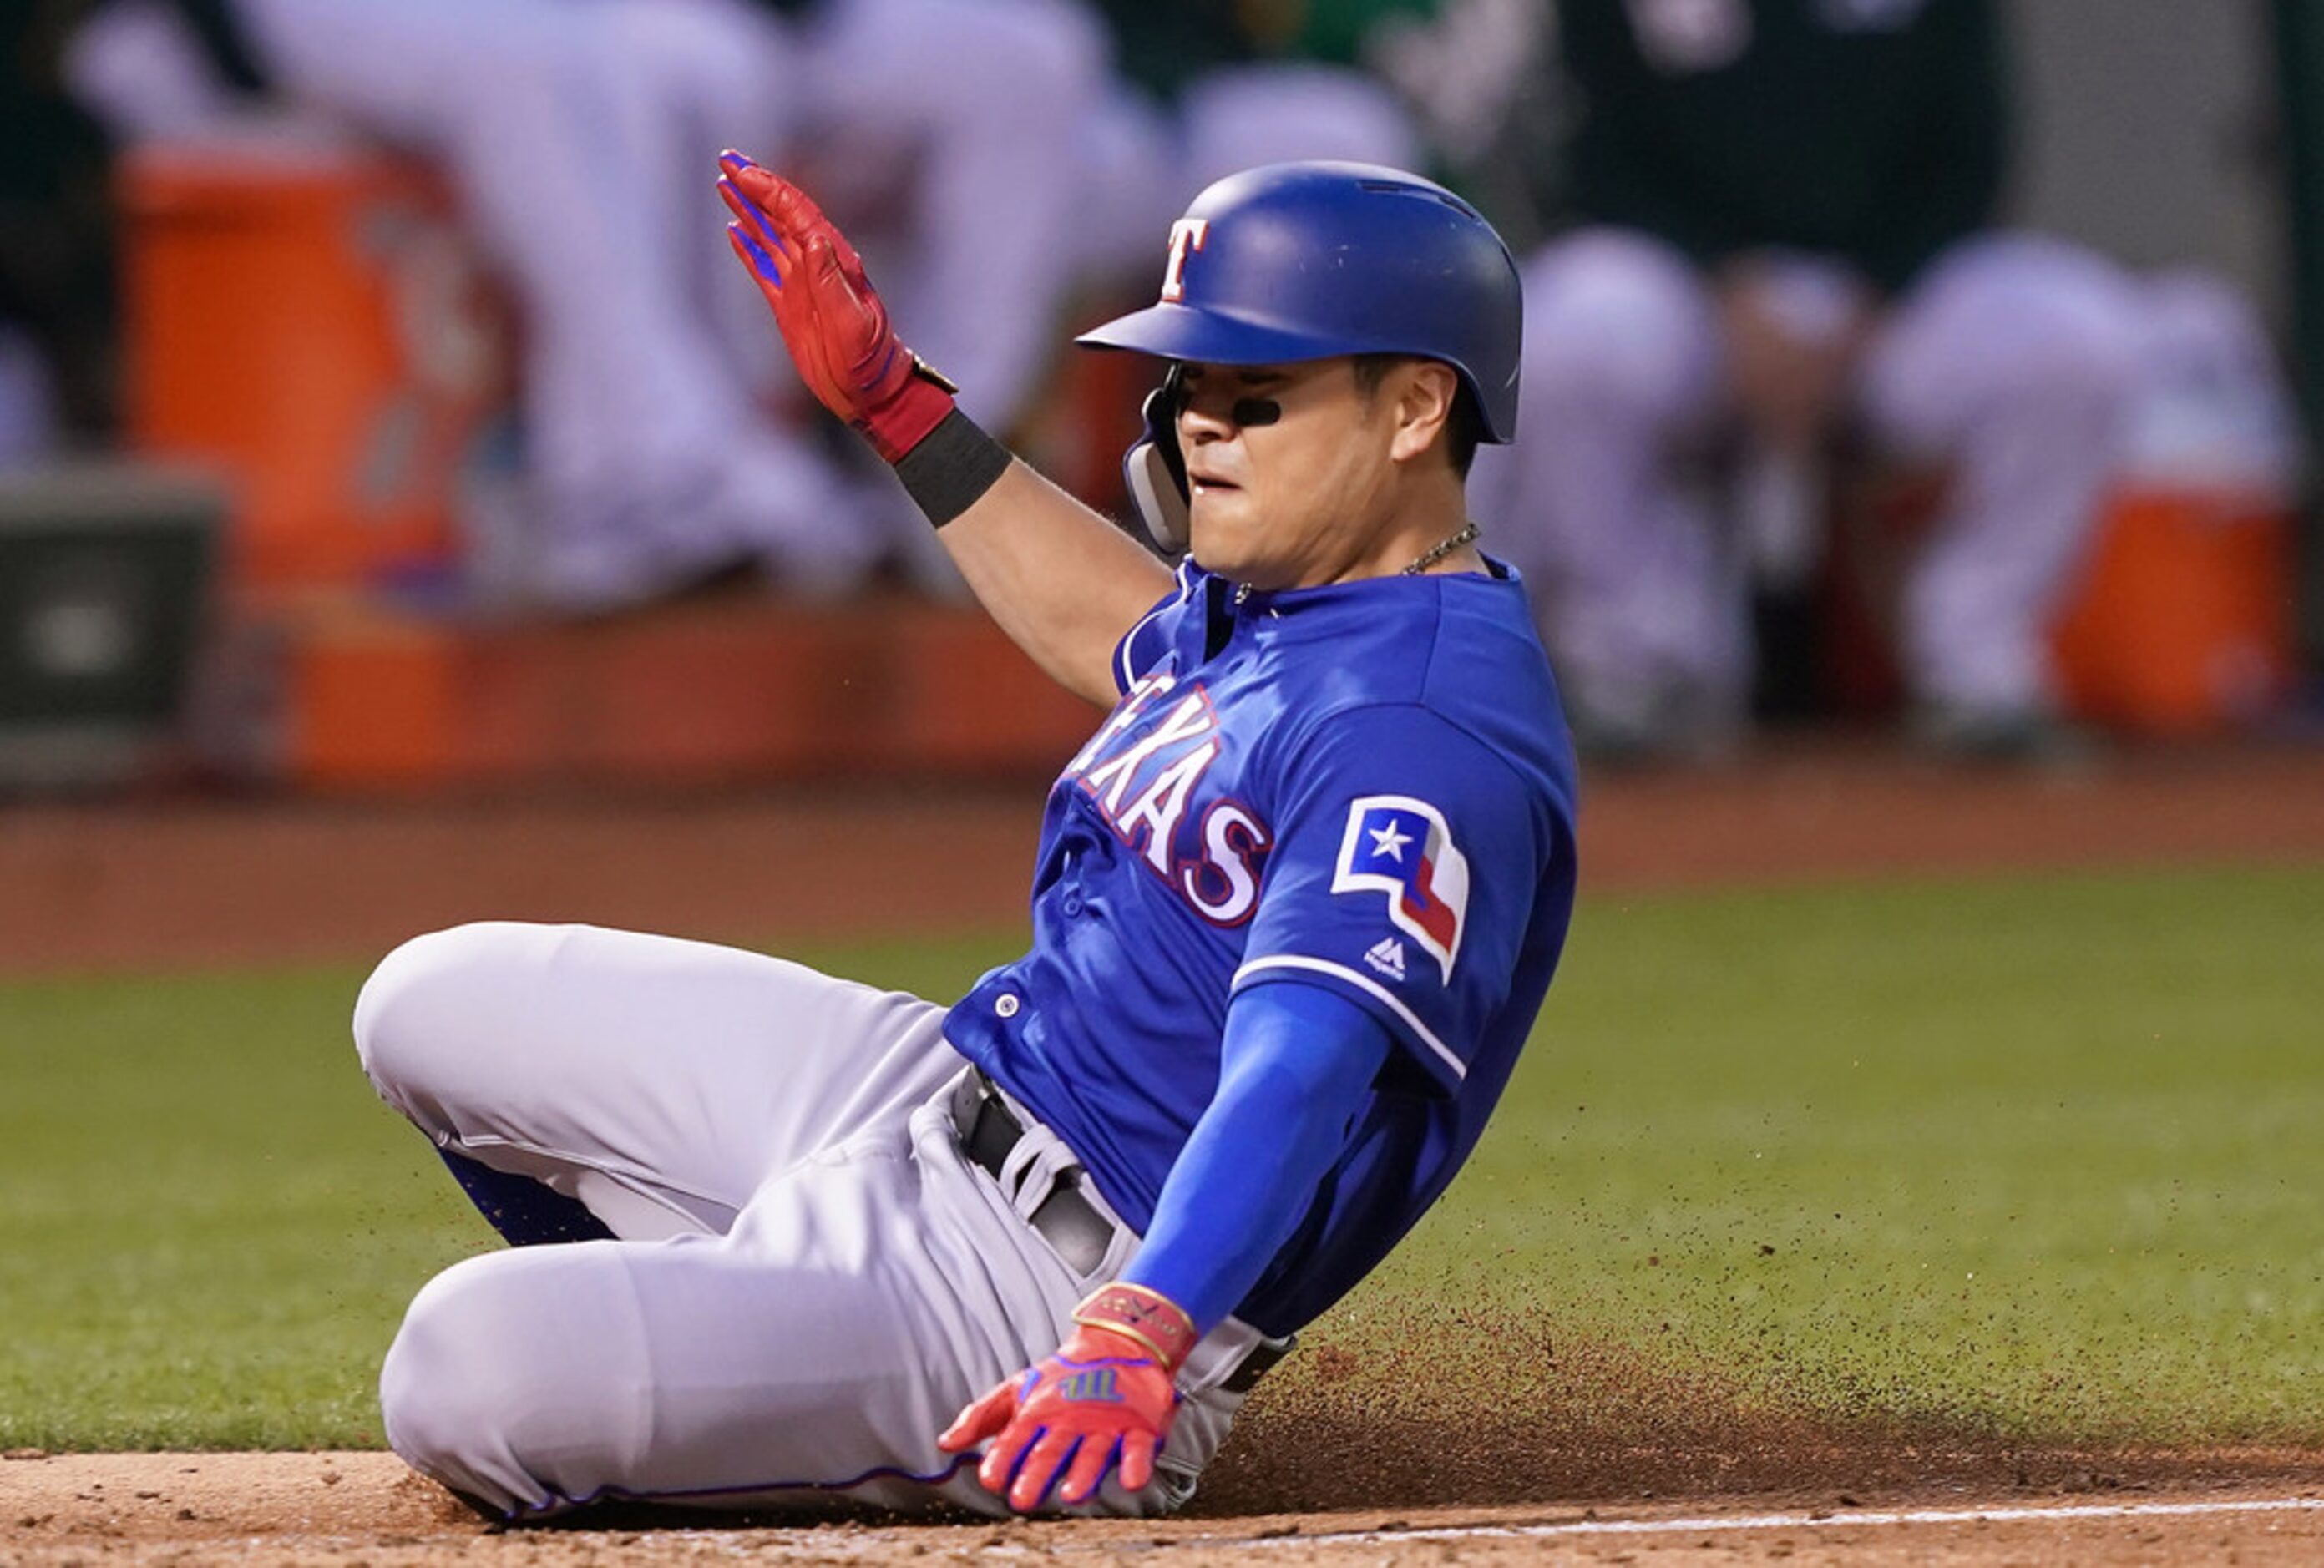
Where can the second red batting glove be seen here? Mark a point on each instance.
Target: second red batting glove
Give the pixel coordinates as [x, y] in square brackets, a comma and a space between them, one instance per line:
[1104, 1400]
[831, 318]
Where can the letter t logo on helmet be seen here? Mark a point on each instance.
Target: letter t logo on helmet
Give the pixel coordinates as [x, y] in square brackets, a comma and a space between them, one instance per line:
[1185, 234]
[1314, 260]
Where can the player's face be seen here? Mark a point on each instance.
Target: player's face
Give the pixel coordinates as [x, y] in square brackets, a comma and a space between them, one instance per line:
[1288, 470]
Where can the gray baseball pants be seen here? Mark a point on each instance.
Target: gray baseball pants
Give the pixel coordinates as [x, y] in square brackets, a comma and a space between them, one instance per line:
[810, 1279]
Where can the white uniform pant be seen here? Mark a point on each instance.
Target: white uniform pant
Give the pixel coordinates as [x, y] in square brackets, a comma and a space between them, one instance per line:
[936, 133]
[1139, 164]
[2011, 360]
[810, 1279]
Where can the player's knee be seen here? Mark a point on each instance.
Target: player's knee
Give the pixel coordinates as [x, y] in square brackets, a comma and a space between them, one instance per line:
[499, 1384]
[414, 1010]
[723, 65]
[437, 1412]
[1616, 321]
[2020, 332]
[2077, 357]
[1057, 56]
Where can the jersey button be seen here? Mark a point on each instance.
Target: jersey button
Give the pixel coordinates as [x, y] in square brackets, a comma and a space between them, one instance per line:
[1006, 1004]
[1072, 905]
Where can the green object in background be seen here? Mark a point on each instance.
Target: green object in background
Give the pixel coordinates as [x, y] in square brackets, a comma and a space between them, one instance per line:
[2299, 82]
[2035, 1157]
[1338, 30]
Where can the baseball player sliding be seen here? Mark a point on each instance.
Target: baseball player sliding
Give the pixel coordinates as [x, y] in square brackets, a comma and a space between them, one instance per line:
[781, 1238]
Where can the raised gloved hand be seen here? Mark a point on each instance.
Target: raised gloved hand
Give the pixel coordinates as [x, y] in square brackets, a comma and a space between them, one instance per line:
[1104, 1399]
[830, 315]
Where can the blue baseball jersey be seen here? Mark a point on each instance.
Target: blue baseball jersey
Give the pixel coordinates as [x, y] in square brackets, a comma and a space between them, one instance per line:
[1367, 787]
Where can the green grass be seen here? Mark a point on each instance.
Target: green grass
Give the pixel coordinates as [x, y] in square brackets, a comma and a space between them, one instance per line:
[2043, 1156]
[2036, 1156]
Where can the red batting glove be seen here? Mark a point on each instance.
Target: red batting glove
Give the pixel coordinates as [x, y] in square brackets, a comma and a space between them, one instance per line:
[1105, 1397]
[830, 315]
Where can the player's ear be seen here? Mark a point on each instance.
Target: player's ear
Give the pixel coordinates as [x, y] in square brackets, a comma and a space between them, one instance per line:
[1423, 391]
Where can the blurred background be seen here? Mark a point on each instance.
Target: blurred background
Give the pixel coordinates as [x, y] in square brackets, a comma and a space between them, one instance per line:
[379, 411]
[408, 516]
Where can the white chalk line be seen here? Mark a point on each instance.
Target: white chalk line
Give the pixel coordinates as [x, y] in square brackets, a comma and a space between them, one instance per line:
[1838, 1518]
[827, 1545]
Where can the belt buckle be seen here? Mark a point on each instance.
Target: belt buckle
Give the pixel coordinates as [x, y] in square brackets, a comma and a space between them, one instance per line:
[1073, 1227]
[968, 1096]
[988, 1131]
[1071, 1224]
[983, 1124]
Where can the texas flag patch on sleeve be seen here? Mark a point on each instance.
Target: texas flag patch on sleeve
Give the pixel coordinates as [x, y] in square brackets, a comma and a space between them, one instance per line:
[1400, 846]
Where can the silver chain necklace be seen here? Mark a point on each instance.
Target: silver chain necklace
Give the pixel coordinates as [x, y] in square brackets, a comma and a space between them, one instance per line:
[1465, 534]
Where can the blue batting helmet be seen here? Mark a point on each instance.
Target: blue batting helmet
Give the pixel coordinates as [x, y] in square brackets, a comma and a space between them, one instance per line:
[1292, 262]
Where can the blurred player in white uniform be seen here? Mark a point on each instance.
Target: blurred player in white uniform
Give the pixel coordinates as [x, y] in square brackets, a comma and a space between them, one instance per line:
[927, 119]
[1201, 93]
[1786, 206]
[575, 131]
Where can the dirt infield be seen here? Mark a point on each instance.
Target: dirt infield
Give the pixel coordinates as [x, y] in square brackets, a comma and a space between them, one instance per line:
[350, 1509]
[1625, 1465]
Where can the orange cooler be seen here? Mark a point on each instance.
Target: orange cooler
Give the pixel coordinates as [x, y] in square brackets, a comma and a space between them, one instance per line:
[310, 320]
[2182, 623]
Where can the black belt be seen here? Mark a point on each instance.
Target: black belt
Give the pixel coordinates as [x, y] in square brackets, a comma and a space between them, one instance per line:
[1072, 1224]
[1067, 1221]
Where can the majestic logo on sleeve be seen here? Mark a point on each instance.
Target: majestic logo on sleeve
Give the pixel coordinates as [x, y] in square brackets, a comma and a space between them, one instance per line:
[1400, 846]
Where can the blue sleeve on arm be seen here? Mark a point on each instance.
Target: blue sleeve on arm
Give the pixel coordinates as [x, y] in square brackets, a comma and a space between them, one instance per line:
[1294, 1068]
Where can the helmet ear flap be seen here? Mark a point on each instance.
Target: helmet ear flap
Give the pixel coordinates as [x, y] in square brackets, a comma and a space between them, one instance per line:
[1154, 469]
